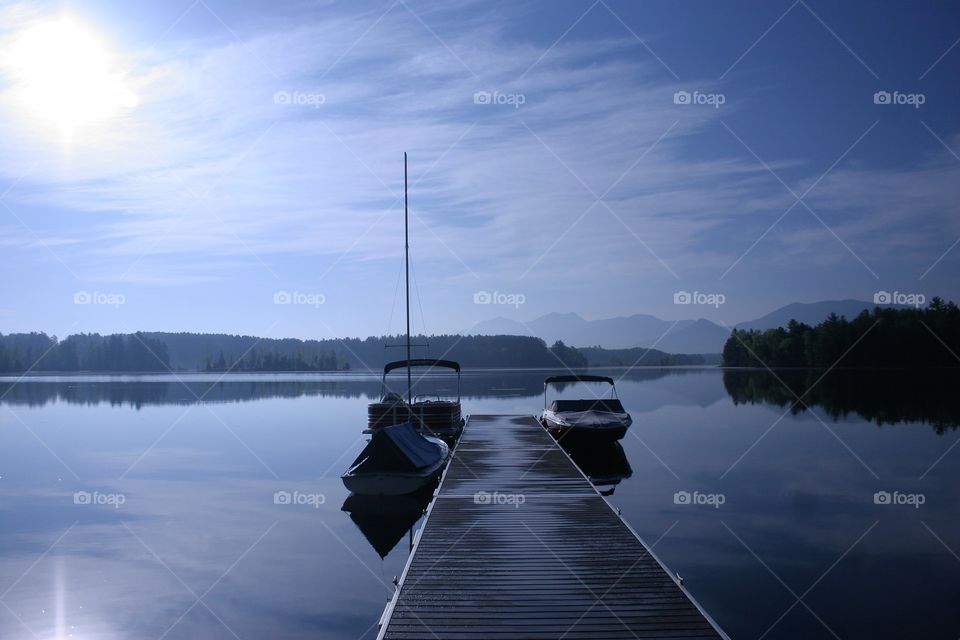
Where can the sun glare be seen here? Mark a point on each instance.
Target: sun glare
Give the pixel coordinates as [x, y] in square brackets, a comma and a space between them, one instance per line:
[66, 75]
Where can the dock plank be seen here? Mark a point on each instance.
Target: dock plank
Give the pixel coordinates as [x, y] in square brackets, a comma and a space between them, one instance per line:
[518, 544]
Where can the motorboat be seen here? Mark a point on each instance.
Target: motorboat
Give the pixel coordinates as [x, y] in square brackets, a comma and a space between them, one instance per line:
[396, 461]
[430, 415]
[595, 419]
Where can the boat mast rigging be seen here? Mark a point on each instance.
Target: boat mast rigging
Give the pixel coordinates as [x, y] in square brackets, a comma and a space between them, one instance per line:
[406, 260]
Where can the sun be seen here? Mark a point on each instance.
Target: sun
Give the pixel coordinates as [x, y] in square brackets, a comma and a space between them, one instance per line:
[65, 74]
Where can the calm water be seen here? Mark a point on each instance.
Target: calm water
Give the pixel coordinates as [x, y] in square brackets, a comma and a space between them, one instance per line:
[184, 538]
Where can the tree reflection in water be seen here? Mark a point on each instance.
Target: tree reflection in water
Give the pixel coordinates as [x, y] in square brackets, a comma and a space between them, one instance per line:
[884, 397]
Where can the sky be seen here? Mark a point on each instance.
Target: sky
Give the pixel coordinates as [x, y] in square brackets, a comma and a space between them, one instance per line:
[237, 167]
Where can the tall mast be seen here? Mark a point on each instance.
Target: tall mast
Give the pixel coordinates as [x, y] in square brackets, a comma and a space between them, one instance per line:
[406, 259]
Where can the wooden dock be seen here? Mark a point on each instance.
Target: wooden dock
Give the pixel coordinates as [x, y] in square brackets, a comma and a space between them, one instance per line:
[518, 544]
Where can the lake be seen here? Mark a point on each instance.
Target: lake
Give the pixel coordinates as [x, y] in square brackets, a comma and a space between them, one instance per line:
[199, 507]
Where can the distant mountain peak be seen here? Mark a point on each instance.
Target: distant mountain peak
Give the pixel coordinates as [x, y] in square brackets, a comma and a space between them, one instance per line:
[810, 313]
[702, 321]
[621, 332]
[570, 315]
[643, 330]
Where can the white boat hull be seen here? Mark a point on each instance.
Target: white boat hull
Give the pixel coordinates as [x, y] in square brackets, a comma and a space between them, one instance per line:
[594, 425]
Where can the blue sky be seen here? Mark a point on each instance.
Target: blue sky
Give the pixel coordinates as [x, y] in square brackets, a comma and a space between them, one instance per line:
[261, 149]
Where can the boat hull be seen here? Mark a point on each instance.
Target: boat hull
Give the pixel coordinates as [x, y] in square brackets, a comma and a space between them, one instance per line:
[387, 484]
[393, 483]
[588, 426]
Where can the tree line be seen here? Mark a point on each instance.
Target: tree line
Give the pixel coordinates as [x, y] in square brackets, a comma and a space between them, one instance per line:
[143, 352]
[264, 360]
[21, 352]
[879, 338]
[469, 351]
[643, 357]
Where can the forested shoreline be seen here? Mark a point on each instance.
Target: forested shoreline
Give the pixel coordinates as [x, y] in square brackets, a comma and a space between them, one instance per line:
[881, 338]
[158, 352]
[137, 352]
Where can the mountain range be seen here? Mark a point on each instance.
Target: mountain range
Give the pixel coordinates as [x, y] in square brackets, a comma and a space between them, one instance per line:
[671, 336]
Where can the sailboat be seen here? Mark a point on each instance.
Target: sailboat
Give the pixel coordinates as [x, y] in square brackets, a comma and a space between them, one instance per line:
[398, 460]
[430, 415]
[395, 462]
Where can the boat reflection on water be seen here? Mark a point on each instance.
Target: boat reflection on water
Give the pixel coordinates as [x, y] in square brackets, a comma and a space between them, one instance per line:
[385, 520]
[604, 463]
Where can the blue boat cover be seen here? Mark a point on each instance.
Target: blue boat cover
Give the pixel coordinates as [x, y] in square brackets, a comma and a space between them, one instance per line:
[396, 448]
